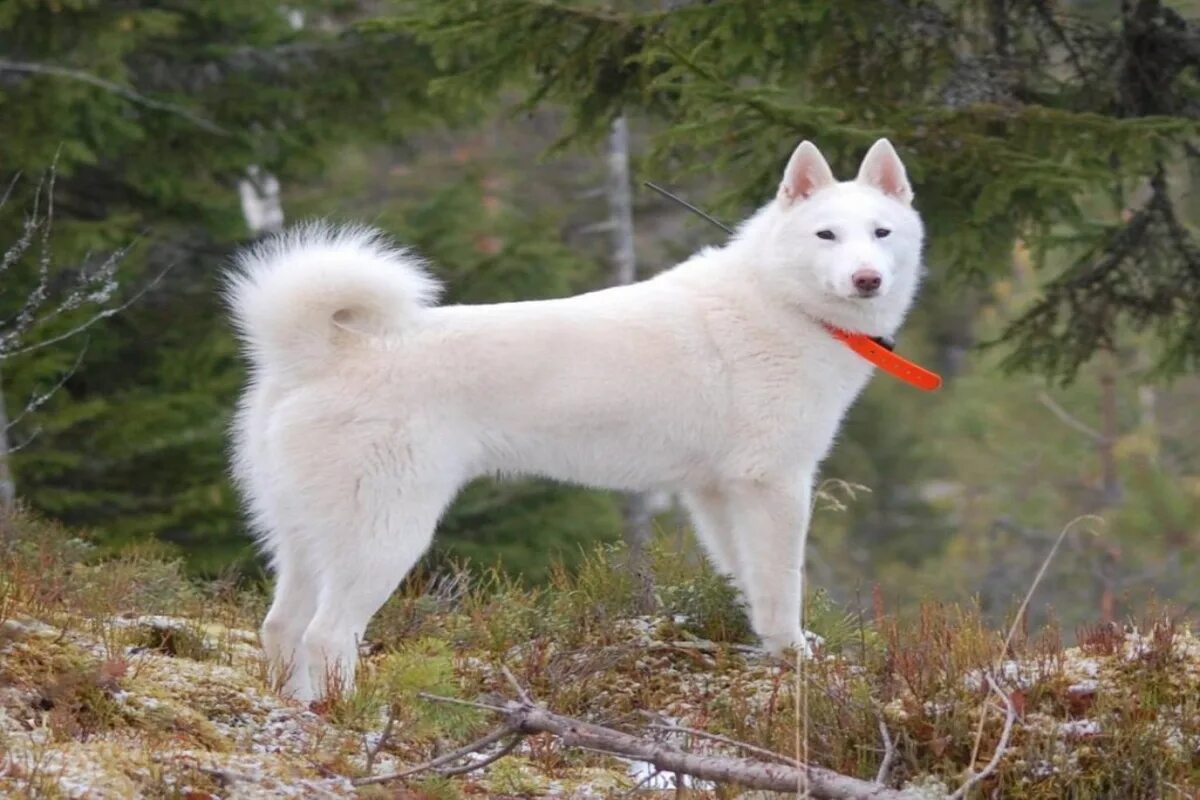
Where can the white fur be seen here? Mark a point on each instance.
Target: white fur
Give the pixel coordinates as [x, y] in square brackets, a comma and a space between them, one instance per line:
[369, 407]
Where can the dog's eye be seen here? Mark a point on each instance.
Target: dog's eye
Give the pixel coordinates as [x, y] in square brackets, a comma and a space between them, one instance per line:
[827, 235]
[881, 233]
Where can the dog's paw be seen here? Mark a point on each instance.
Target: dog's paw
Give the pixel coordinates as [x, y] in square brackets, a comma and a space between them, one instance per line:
[802, 642]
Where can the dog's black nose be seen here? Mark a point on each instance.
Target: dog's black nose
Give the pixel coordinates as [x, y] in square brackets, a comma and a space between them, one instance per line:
[867, 281]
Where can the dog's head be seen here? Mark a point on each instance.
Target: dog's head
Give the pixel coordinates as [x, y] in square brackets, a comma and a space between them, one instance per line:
[846, 252]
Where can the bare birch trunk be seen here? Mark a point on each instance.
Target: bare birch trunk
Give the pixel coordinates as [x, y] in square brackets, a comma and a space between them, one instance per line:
[639, 523]
[261, 206]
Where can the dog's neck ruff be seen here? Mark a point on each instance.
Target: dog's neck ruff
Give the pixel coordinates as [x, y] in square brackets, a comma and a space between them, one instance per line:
[878, 350]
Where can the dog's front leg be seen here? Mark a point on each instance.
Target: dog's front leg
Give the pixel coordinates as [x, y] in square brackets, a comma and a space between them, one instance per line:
[770, 521]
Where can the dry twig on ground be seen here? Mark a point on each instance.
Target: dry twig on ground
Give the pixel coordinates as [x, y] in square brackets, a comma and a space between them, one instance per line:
[524, 717]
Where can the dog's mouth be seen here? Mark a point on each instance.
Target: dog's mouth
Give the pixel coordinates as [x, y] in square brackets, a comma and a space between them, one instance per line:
[862, 295]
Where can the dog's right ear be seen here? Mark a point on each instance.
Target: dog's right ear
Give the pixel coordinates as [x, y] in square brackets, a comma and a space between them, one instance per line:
[806, 173]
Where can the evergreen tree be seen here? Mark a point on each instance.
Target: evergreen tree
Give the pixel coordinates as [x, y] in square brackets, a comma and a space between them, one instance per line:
[152, 113]
[1018, 121]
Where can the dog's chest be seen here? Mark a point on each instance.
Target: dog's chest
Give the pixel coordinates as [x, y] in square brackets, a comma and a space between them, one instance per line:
[792, 398]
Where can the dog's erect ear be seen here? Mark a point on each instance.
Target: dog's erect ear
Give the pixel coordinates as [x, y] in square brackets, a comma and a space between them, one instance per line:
[882, 169]
[806, 173]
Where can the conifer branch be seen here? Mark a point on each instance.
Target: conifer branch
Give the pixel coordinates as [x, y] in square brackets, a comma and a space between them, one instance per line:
[135, 97]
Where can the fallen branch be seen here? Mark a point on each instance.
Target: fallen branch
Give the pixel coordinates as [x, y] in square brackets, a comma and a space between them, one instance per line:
[524, 718]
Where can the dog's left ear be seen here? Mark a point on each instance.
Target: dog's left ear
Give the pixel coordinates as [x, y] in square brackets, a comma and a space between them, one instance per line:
[883, 170]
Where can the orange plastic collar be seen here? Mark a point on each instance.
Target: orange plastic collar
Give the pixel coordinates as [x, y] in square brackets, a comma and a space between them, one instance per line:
[879, 354]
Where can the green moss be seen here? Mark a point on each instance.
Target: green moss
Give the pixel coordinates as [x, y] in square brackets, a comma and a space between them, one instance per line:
[1118, 716]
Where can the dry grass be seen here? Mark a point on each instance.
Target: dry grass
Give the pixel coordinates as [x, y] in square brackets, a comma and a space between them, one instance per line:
[120, 677]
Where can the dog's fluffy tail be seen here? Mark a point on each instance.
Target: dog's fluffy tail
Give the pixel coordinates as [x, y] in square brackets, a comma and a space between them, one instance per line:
[299, 298]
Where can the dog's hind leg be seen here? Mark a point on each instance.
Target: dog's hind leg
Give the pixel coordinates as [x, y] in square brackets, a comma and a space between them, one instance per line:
[292, 609]
[713, 524]
[391, 531]
[771, 524]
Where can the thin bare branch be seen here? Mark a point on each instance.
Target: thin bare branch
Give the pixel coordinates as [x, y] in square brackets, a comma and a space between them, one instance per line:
[889, 754]
[93, 286]
[474, 765]
[1012, 630]
[1001, 746]
[442, 760]
[676, 198]
[1068, 419]
[25, 240]
[8, 191]
[16, 448]
[374, 751]
[516, 686]
[36, 401]
[716, 737]
[101, 315]
[137, 98]
[437, 698]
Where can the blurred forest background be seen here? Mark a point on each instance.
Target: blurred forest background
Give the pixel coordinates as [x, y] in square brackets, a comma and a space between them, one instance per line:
[1053, 147]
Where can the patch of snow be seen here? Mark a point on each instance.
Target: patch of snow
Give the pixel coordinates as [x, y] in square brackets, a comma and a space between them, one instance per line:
[1080, 728]
[652, 779]
[1013, 673]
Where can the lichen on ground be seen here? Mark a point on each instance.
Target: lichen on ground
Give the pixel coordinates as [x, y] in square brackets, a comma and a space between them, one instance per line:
[119, 678]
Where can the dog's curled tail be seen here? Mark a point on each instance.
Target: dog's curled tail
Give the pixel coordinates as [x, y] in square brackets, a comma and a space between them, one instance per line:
[300, 298]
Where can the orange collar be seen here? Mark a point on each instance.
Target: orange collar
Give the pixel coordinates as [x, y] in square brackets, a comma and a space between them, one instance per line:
[879, 352]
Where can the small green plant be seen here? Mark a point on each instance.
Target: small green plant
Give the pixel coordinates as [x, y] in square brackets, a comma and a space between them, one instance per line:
[181, 641]
[706, 604]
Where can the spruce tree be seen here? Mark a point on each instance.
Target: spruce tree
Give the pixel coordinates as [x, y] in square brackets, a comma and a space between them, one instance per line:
[151, 114]
[1070, 127]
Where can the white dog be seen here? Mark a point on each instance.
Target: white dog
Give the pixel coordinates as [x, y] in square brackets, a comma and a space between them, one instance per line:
[721, 379]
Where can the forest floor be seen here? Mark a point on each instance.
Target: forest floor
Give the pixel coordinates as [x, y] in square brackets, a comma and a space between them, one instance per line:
[120, 678]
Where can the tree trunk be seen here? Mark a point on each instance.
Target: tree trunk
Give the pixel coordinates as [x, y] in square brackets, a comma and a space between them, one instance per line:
[1110, 493]
[639, 522]
[261, 206]
[8, 488]
[1110, 489]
